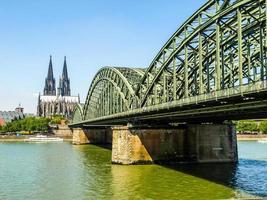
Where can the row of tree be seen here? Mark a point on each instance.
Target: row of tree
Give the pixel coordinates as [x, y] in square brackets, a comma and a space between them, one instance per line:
[251, 127]
[41, 124]
[31, 124]
[28, 124]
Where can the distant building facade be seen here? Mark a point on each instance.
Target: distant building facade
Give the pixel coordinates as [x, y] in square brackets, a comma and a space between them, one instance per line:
[2, 122]
[58, 102]
[9, 116]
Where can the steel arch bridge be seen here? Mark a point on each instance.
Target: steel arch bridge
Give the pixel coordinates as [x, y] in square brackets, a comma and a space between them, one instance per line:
[214, 67]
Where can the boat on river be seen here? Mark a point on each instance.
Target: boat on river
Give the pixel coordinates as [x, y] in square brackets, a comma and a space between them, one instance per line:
[43, 138]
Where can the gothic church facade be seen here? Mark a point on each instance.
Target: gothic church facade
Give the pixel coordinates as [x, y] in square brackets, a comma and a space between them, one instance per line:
[60, 101]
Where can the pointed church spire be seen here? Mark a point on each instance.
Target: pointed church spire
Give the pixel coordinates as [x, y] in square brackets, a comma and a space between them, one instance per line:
[50, 83]
[64, 84]
[65, 70]
[50, 74]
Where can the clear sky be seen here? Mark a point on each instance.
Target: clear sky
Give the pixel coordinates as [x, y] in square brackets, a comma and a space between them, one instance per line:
[91, 33]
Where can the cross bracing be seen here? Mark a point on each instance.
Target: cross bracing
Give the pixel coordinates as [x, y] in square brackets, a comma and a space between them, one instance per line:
[218, 53]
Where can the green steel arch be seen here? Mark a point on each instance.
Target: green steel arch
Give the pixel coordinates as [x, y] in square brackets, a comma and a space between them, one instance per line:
[78, 113]
[112, 91]
[223, 45]
[217, 58]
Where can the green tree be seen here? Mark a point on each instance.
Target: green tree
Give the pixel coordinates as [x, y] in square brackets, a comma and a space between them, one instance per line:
[263, 127]
[27, 124]
[56, 119]
[247, 126]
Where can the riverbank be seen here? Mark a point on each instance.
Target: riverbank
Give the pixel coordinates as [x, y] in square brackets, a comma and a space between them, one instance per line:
[14, 138]
[251, 137]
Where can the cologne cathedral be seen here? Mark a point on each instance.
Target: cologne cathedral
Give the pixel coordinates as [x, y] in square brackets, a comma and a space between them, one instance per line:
[58, 102]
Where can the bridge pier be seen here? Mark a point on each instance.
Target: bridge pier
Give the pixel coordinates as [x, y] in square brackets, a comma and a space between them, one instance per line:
[146, 145]
[194, 143]
[213, 142]
[91, 136]
[197, 143]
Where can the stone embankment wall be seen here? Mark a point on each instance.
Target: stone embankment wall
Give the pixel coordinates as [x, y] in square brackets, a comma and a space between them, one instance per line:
[61, 131]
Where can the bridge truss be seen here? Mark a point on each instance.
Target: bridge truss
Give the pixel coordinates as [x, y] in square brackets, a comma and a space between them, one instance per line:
[215, 60]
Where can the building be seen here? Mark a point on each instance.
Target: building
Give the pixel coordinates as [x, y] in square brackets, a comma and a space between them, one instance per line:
[58, 102]
[9, 116]
[2, 122]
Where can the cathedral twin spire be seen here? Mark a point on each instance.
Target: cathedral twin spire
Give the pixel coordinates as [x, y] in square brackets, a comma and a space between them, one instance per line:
[50, 83]
[64, 81]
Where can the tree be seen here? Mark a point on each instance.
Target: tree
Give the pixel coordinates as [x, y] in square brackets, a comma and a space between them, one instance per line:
[56, 119]
[27, 124]
[247, 126]
[263, 127]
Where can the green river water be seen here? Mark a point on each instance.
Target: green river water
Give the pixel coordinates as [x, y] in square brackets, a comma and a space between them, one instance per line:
[63, 171]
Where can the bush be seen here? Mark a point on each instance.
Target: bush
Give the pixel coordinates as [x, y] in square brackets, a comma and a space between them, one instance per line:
[247, 126]
[57, 119]
[263, 127]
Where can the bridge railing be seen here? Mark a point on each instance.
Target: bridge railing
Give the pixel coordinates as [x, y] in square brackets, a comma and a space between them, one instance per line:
[217, 95]
[213, 96]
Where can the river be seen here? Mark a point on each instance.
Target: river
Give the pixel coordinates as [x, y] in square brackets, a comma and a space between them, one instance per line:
[63, 171]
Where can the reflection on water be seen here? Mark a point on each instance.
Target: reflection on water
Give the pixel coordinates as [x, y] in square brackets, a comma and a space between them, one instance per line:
[63, 171]
[155, 182]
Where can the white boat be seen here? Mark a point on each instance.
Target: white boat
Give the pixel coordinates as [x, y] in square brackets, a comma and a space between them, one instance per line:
[264, 140]
[43, 138]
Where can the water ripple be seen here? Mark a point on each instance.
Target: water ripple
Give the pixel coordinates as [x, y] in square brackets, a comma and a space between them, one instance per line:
[63, 171]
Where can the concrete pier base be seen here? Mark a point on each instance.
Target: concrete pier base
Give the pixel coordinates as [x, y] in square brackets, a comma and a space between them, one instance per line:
[91, 136]
[195, 143]
[213, 142]
[79, 137]
[145, 146]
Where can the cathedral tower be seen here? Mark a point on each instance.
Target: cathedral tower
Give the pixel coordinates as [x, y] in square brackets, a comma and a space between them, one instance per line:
[64, 81]
[60, 103]
[50, 83]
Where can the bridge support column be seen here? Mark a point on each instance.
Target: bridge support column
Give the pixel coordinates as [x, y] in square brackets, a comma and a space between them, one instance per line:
[194, 143]
[213, 142]
[79, 137]
[92, 136]
[146, 145]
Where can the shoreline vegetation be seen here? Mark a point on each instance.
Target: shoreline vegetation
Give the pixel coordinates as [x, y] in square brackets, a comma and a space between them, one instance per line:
[19, 130]
[31, 125]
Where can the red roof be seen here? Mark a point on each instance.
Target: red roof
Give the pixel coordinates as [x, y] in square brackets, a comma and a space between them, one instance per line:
[2, 122]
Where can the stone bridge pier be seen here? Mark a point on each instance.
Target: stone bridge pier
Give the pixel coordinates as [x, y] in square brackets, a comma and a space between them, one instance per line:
[197, 143]
[93, 135]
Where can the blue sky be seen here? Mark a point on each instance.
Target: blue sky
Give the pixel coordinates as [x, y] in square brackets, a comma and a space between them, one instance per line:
[91, 33]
